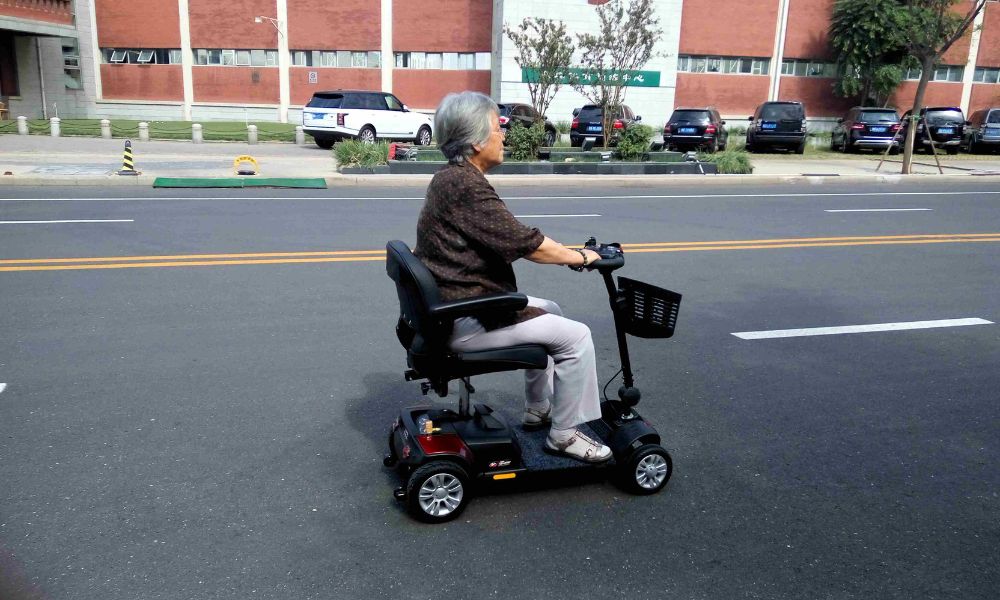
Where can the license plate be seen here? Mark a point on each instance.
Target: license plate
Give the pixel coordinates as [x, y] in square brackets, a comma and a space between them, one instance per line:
[687, 130]
[315, 115]
[945, 130]
[879, 129]
[769, 126]
[594, 128]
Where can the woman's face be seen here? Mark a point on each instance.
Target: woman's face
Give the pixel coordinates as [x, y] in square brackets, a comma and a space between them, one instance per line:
[490, 154]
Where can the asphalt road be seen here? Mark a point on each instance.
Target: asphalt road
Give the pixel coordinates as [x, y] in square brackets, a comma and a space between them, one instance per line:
[210, 426]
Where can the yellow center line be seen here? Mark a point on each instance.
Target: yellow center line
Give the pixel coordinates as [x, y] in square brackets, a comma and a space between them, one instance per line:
[270, 258]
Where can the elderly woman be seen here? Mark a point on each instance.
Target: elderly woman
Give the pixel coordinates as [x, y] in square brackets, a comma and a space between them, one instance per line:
[468, 239]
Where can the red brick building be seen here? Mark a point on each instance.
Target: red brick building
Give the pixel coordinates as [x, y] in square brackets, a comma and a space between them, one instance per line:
[263, 59]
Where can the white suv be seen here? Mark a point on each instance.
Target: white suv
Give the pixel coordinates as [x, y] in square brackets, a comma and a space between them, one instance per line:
[332, 116]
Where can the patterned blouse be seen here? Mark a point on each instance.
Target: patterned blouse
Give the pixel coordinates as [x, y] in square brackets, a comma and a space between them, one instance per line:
[468, 239]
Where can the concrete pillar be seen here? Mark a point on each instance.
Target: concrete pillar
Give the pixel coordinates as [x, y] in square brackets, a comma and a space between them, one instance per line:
[143, 132]
[106, 129]
[300, 136]
[22, 125]
[196, 136]
[54, 126]
[252, 134]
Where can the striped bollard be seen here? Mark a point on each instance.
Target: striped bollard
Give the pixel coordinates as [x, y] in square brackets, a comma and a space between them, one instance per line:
[128, 165]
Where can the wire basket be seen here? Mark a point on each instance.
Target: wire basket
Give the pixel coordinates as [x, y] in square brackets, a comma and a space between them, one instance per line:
[649, 311]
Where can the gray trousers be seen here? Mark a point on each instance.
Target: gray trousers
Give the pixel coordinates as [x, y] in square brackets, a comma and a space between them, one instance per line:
[569, 382]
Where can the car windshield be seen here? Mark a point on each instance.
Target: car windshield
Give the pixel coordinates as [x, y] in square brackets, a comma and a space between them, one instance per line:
[875, 116]
[505, 109]
[994, 117]
[326, 101]
[691, 116]
[945, 117]
[777, 112]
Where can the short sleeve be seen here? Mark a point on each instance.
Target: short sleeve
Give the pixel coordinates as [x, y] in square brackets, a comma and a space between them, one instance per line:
[485, 219]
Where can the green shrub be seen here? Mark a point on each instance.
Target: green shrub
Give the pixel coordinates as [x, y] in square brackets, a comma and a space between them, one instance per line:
[352, 153]
[634, 142]
[563, 126]
[730, 161]
[524, 142]
[736, 129]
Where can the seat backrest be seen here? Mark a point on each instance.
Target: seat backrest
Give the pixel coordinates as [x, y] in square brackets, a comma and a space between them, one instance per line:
[417, 291]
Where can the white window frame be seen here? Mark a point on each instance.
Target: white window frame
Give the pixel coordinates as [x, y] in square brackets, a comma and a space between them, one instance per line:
[243, 58]
[148, 55]
[359, 60]
[118, 57]
[484, 61]
[374, 59]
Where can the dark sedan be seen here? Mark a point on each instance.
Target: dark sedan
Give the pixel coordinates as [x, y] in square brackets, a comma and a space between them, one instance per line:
[526, 115]
[588, 123]
[867, 127]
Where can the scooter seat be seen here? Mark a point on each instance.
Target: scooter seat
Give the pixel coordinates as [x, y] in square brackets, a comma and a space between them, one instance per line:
[467, 364]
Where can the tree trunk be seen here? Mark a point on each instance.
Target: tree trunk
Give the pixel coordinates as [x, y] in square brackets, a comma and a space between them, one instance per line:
[927, 65]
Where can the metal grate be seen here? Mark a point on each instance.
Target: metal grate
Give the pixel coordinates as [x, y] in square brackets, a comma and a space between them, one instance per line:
[650, 311]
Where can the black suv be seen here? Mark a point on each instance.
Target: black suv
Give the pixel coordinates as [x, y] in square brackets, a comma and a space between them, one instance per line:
[527, 116]
[867, 127]
[778, 124]
[697, 128]
[982, 132]
[946, 124]
[587, 123]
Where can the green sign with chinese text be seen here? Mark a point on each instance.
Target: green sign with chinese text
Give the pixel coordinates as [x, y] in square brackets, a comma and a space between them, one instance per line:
[588, 77]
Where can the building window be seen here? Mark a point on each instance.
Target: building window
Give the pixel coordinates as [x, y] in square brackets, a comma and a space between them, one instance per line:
[986, 75]
[243, 57]
[952, 73]
[71, 64]
[687, 63]
[135, 56]
[808, 68]
[462, 61]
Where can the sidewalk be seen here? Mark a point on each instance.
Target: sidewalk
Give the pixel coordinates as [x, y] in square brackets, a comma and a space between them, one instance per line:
[41, 160]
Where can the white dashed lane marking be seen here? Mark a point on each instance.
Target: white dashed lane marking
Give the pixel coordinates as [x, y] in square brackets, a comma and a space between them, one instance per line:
[787, 333]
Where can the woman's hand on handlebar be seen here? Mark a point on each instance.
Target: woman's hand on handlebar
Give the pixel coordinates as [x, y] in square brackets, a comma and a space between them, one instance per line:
[592, 256]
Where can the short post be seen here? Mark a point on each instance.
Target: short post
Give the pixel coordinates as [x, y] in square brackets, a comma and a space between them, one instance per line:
[252, 134]
[106, 129]
[22, 125]
[196, 133]
[54, 126]
[143, 132]
[300, 136]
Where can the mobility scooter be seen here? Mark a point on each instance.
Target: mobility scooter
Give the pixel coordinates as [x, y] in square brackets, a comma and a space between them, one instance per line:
[443, 455]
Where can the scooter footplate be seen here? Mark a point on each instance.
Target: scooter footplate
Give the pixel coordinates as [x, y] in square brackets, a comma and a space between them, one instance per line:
[533, 452]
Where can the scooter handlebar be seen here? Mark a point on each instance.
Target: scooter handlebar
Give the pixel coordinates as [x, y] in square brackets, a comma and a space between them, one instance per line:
[612, 256]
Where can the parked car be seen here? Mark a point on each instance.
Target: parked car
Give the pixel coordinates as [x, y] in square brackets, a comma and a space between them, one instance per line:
[778, 124]
[867, 127]
[588, 123]
[946, 125]
[982, 132]
[695, 128]
[527, 116]
[368, 116]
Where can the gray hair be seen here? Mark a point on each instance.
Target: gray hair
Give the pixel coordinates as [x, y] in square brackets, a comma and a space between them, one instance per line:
[461, 121]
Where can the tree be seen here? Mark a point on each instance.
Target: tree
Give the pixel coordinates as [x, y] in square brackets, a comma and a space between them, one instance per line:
[930, 28]
[544, 50]
[866, 36]
[610, 58]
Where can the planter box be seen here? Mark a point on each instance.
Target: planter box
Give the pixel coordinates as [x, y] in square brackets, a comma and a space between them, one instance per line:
[397, 167]
[377, 170]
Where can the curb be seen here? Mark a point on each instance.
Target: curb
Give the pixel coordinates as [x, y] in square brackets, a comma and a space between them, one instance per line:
[536, 180]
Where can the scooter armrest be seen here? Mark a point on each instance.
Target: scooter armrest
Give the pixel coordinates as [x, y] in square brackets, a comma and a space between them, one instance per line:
[480, 305]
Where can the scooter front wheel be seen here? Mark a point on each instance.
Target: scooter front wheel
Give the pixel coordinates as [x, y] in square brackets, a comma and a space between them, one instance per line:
[437, 492]
[647, 470]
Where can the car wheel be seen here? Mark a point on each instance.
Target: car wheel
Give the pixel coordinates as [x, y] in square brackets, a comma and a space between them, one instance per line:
[325, 143]
[833, 143]
[713, 147]
[801, 149]
[367, 135]
[550, 138]
[437, 492]
[424, 136]
[647, 470]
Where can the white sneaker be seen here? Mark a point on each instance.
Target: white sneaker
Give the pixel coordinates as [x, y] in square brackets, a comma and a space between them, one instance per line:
[580, 447]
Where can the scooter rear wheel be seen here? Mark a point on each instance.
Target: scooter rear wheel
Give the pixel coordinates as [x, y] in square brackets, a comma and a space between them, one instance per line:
[437, 492]
[647, 470]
